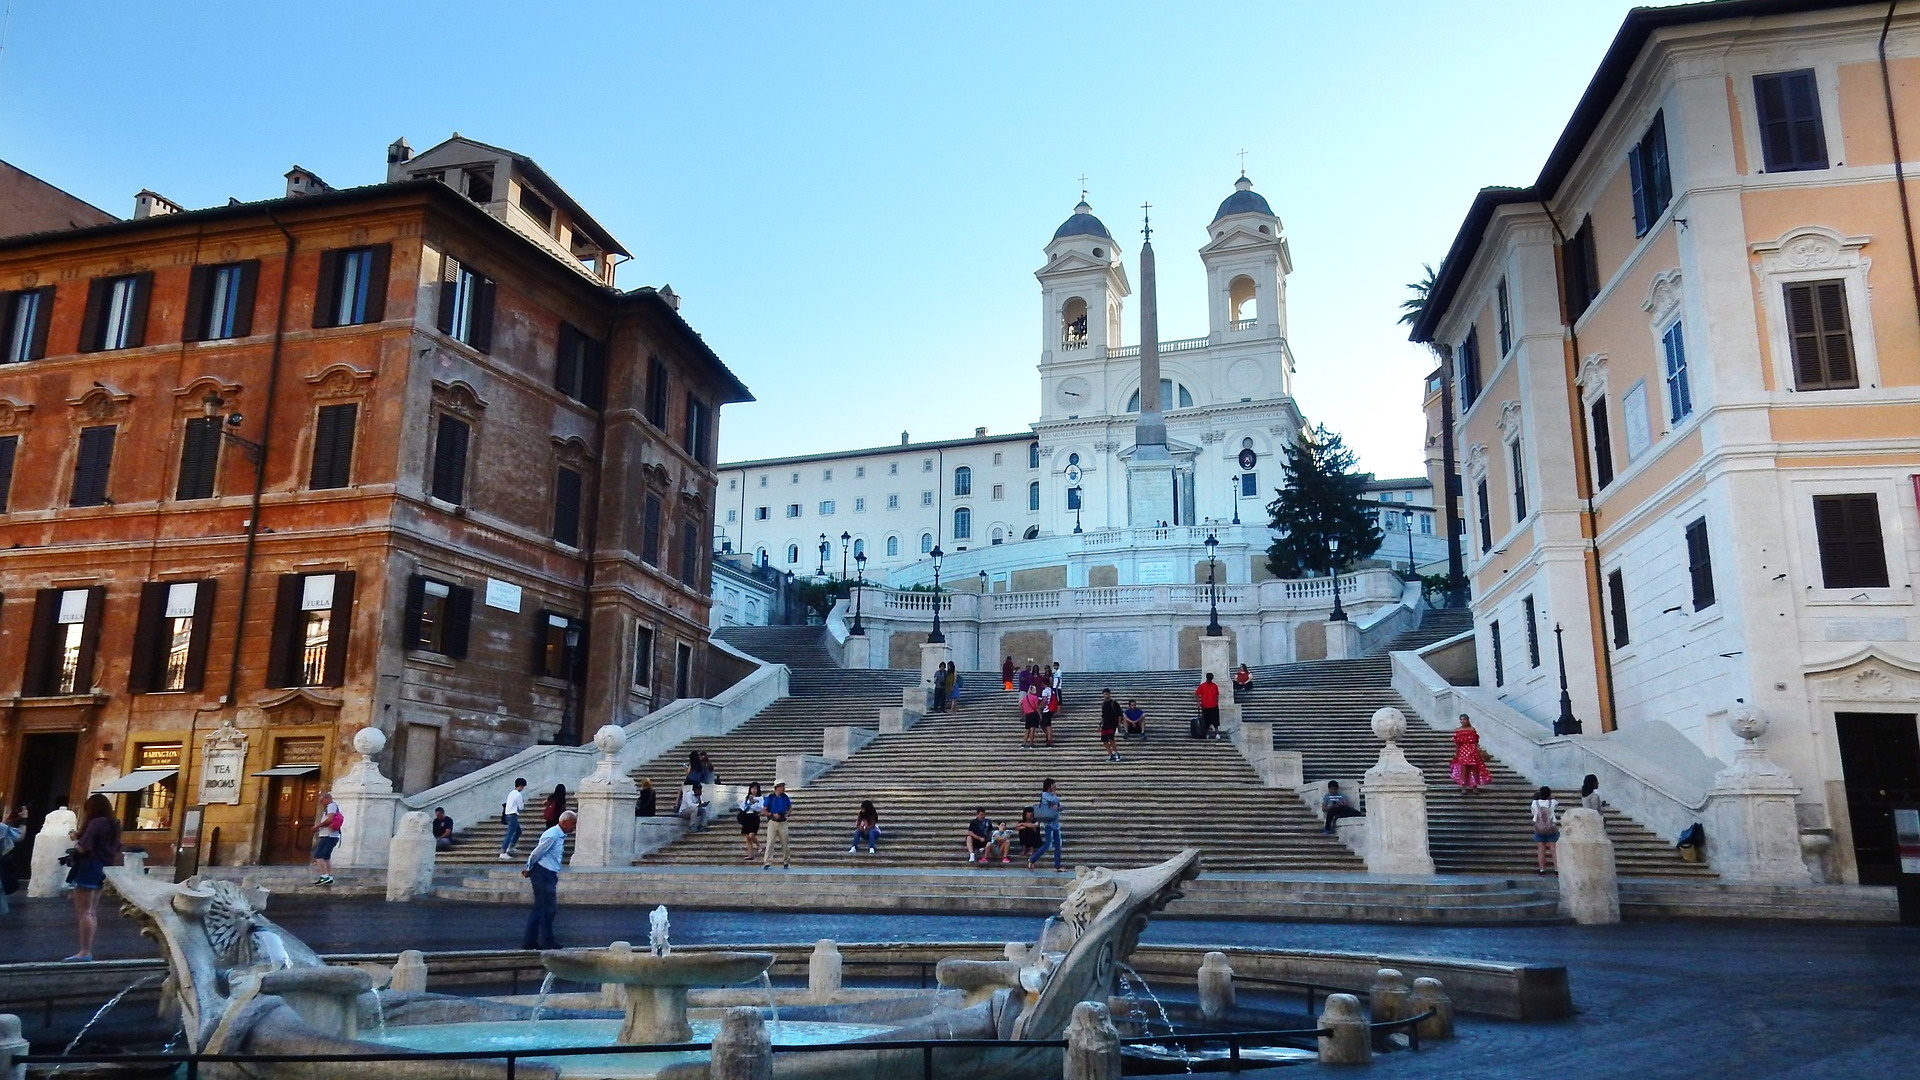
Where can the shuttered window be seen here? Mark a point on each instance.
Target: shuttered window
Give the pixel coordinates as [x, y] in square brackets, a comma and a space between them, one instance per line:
[466, 304]
[580, 367]
[1679, 390]
[312, 616]
[559, 646]
[1700, 564]
[1852, 553]
[698, 436]
[353, 286]
[566, 506]
[1792, 137]
[450, 460]
[1617, 601]
[1519, 481]
[24, 318]
[1651, 176]
[1602, 434]
[199, 458]
[220, 301]
[170, 636]
[657, 391]
[92, 465]
[650, 531]
[64, 642]
[116, 315]
[690, 554]
[1822, 339]
[1470, 369]
[1579, 271]
[1499, 655]
[439, 616]
[1504, 305]
[1533, 631]
[333, 430]
[9, 447]
[1486, 517]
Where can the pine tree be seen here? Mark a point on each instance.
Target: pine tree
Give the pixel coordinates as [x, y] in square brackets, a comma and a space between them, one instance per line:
[1323, 499]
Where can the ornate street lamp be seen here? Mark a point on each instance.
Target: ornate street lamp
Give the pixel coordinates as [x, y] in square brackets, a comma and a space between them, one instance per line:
[936, 638]
[860, 566]
[824, 548]
[1565, 723]
[983, 583]
[786, 601]
[844, 538]
[1333, 550]
[1078, 498]
[1213, 600]
[1411, 572]
[1233, 493]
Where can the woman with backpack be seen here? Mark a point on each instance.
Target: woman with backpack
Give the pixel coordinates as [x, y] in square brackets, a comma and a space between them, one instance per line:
[1546, 827]
[555, 806]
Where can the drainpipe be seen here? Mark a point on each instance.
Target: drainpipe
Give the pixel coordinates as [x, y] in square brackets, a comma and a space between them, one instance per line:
[1899, 163]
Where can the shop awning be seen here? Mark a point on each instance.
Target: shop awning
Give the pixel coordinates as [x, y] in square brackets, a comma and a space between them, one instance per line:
[289, 770]
[137, 780]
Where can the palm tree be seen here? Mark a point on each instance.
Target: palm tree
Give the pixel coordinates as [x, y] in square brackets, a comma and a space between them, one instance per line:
[1416, 305]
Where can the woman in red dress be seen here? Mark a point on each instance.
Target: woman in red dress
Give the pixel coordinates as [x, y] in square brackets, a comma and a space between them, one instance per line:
[1469, 766]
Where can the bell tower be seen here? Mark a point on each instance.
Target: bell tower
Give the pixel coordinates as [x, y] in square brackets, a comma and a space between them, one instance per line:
[1083, 290]
[1247, 266]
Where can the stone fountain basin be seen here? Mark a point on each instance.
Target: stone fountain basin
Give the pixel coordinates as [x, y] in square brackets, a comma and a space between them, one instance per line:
[646, 969]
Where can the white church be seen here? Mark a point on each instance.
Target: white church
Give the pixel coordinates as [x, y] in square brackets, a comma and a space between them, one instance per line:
[1140, 450]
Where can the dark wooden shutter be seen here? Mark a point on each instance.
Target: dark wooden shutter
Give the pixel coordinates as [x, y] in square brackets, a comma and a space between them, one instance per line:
[1617, 599]
[1836, 339]
[449, 278]
[92, 321]
[650, 531]
[338, 629]
[1519, 481]
[1602, 445]
[1486, 517]
[593, 375]
[199, 458]
[1700, 564]
[137, 309]
[566, 507]
[148, 655]
[333, 446]
[1637, 182]
[377, 274]
[1660, 182]
[326, 293]
[690, 554]
[38, 678]
[459, 620]
[450, 460]
[283, 647]
[9, 314]
[1499, 657]
[416, 609]
[566, 362]
[1533, 632]
[1822, 340]
[92, 466]
[480, 325]
[1852, 550]
[1792, 136]
[9, 446]
[244, 298]
[202, 635]
[199, 283]
[43, 318]
[90, 639]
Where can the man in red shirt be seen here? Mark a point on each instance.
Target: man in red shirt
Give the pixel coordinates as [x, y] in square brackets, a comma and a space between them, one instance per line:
[1209, 694]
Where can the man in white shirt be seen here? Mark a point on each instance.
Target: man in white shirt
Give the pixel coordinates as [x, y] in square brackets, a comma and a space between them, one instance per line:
[543, 870]
[510, 813]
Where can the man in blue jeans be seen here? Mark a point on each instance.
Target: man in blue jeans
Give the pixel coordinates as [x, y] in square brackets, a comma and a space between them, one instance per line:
[543, 870]
[1047, 813]
[510, 813]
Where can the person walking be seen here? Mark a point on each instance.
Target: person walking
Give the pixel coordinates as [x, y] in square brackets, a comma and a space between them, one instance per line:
[1590, 794]
[1006, 673]
[555, 805]
[96, 847]
[953, 687]
[748, 813]
[1334, 805]
[1058, 680]
[1544, 811]
[326, 836]
[1110, 716]
[1030, 715]
[510, 815]
[1049, 705]
[543, 870]
[779, 807]
[1047, 813]
[866, 828]
[1208, 694]
[940, 687]
[1469, 766]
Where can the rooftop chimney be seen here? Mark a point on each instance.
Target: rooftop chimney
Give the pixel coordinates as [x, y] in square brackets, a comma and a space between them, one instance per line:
[149, 203]
[301, 183]
[398, 151]
[979, 433]
[672, 298]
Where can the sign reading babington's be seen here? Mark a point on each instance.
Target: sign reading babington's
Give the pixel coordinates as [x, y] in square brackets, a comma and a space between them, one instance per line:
[222, 765]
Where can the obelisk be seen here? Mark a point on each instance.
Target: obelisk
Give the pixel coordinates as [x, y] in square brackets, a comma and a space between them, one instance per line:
[1150, 485]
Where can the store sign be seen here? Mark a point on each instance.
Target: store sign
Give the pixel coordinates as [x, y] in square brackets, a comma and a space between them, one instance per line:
[220, 775]
[181, 598]
[504, 595]
[316, 593]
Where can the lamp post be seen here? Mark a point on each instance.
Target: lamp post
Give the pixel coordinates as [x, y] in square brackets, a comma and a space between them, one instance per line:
[1565, 723]
[824, 548]
[983, 583]
[1233, 495]
[860, 567]
[845, 537]
[1333, 550]
[1411, 572]
[786, 600]
[936, 637]
[1213, 600]
[1077, 500]
[569, 706]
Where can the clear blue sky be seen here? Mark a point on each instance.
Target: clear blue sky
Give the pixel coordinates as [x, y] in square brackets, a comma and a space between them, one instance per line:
[853, 198]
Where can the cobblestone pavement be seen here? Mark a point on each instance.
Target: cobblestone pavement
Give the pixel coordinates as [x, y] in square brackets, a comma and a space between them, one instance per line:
[1681, 1000]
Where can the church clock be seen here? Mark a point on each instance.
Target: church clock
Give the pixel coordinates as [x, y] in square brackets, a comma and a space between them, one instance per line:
[1073, 392]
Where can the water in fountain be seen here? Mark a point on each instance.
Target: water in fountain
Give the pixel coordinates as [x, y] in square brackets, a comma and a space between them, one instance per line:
[148, 980]
[379, 1010]
[540, 1003]
[773, 1007]
[178, 1034]
[1126, 970]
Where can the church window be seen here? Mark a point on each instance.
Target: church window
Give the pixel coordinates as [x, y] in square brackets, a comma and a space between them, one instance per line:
[893, 468]
[893, 547]
[859, 548]
[763, 480]
[793, 510]
[1241, 297]
[1033, 495]
[1249, 485]
[926, 498]
[859, 472]
[926, 464]
[1169, 392]
[793, 554]
[1033, 455]
[996, 457]
[1073, 324]
[827, 475]
[963, 481]
[794, 479]
[999, 536]
[1073, 459]
[962, 524]
[999, 492]
[733, 483]
[926, 543]
[760, 557]
[733, 516]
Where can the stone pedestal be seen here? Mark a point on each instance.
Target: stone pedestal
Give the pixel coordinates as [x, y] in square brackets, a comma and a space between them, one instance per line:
[11, 1046]
[409, 972]
[56, 836]
[1430, 997]
[1753, 833]
[1216, 655]
[1589, 890]
[842, 741]
[656, 1014]
[1396, 801]
[1215, 986]
[1343, 639]
[135, 861]
[1347, 1041]
[604, 834]
[741, 1049]
[368, 806]
[1277, 768]
[857, 653]
[327, 998]
[410, 857]
[1093, 1044]
[931, 656]
[824, 970]
[1387, 997]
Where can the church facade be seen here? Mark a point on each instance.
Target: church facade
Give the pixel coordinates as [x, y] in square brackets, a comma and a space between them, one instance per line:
[1218, 410]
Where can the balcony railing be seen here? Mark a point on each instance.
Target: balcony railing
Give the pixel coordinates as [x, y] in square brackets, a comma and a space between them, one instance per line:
[1243, 324]
[1182, 345]
[1073, 342]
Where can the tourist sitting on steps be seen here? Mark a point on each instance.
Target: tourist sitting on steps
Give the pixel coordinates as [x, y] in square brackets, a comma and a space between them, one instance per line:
[983, 837]
[1242, 683]
[442, 829]
[1136, 719]
[866, 828]
[1334, 805]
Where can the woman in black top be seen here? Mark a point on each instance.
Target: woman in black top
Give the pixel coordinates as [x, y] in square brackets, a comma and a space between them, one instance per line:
[95, 848]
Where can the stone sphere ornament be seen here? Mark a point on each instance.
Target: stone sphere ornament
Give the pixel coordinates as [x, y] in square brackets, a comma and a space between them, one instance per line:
[1389, 724]
[1746, 722]
[610, 740]
[369, 741]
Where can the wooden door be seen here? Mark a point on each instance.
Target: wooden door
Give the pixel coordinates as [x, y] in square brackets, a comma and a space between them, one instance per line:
[1880, 760]
[293, 805]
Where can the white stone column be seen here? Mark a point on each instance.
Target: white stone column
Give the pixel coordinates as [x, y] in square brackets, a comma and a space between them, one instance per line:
[368, 806]
[1753, 832]
[858, 652]
[741, 1050]
[1215, 986]
[1343, 639]
[1396, 805]
[604, 834]
[1216, 655]
[56, 836]
[932, 655]
[409, 972]
[1589, 888]
[824, 971]
[410, 856]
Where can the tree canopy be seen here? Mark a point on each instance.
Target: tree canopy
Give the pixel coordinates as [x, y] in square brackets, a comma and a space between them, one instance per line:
[1323, 499]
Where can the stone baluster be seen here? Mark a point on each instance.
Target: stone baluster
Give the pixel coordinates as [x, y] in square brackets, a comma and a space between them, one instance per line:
[368, 805]
[409, 972]
[741, 1049]
[11, 1046]
[1589, 889]
[1396, 807]
[824, 971]
[604, 834]
[1387, 997]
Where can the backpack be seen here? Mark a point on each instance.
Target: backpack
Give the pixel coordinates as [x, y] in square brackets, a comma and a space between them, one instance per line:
[1542, 816]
